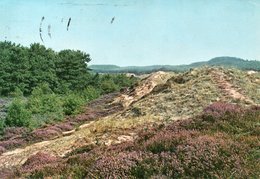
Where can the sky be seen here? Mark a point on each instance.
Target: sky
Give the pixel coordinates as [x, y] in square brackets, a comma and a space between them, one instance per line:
[144, 32]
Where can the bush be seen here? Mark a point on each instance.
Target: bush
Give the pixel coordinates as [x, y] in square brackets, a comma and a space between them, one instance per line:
[90, 93]
[16, 93]
[108, 86]
[18, 115]
[72, 104]
[45, 105]
[2, 126]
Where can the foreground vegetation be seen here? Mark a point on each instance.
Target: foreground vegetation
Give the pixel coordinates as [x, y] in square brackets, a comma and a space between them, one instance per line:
[222, 142]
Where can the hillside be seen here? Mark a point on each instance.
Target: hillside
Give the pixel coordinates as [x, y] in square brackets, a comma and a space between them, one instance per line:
[218, 61]
[200, 123]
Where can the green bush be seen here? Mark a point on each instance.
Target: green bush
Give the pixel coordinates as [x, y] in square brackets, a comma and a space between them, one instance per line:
[108, 86]
[45, 105]
[18, 115]
[72, 104]
[2, 125]
[16, 93]
[90, 93]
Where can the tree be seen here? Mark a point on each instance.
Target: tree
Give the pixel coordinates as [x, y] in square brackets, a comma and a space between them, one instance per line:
[42, 66]
[72, 69]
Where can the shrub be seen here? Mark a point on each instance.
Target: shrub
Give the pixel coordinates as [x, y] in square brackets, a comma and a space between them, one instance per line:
[45, 105]
[108, 86]
[18, 115]
[90, 93]
[2, 126]
[72, 104]
[16, 93]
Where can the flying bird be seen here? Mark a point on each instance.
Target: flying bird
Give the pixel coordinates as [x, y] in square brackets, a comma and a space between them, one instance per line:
[112, 20]
[40, 28]
[68, 24]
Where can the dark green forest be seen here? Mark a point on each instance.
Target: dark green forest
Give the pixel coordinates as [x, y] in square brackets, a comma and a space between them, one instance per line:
[39, 85]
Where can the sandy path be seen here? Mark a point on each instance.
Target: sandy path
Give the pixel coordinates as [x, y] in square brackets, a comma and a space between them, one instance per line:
[227, 88]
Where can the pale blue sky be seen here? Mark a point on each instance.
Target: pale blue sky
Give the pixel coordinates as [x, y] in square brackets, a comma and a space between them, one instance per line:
[145, 32]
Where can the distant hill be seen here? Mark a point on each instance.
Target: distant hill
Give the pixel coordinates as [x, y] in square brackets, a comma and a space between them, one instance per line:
[107, 67]
[218, 61]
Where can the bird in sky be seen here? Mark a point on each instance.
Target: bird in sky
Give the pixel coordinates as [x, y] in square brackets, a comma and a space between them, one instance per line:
[112, 20]
[68, 23]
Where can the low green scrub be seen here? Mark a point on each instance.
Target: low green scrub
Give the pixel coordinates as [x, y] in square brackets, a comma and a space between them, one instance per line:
[45, 106]
[72, 104]
[2, 126]
[90, 93]
[18, 115]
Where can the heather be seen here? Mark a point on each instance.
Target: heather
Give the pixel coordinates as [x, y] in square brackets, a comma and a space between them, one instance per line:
[14, 137]
[218, 143]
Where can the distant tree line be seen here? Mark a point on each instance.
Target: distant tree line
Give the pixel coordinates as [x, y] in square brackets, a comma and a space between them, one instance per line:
[25, 68]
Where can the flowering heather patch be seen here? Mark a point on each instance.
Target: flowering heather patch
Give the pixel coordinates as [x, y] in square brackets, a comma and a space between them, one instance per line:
[38, 161]
[12, 143]
[11, 132]
[2, 150]
[219, 109]
[168, 140]
[191, 159]
[206, 155]
[66, 126]
[125, 146]
[118, 166]
[46, 133]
